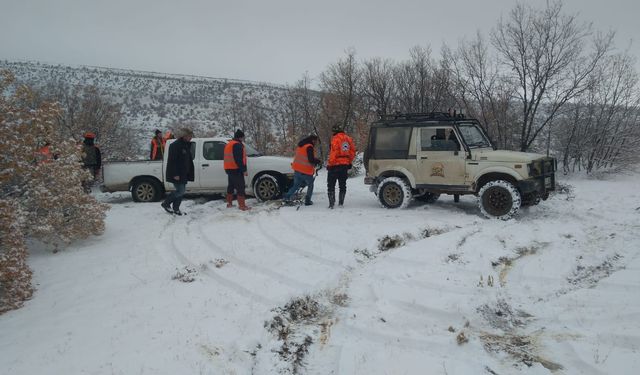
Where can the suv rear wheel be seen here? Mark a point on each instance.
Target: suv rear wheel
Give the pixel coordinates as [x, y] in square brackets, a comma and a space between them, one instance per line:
[394, 192]
[499, 200]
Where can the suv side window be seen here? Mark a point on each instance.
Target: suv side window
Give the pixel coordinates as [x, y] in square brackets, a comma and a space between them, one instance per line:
[438, 139]
[392, 143]
[213, 150]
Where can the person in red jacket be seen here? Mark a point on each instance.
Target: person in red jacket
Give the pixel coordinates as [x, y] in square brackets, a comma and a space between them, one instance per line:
[341, 155]
[235, 165]
[304, 167]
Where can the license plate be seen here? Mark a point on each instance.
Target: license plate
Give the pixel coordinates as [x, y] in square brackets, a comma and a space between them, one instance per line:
[547, 182]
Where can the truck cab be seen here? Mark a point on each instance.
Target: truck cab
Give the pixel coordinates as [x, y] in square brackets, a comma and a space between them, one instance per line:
[423, 155]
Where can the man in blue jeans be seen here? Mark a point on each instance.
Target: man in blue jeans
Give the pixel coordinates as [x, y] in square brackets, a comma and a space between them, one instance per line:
[304, 166]
[179, 171]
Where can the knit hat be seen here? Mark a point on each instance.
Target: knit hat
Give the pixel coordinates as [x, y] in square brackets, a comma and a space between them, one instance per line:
[238, 134]
[157, 132]
[90, 135]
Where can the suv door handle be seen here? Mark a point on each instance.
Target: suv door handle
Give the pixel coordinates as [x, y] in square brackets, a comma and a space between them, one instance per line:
[205, 165]
[424, 157]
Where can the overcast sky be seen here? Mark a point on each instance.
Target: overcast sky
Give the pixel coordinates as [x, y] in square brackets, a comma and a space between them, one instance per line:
[261, 40]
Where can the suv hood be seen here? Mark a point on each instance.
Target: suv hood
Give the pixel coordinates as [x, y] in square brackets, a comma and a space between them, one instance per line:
[504, 156]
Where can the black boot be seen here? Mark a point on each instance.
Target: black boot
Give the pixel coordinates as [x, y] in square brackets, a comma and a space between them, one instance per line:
[341, 197]
[332, 198]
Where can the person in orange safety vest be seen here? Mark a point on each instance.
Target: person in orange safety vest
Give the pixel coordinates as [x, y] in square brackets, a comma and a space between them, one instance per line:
[341, 155]
[157, 146]
[235, 165]
[304, 167]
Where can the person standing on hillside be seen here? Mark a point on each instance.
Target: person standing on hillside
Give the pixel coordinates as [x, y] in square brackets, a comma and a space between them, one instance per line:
[91, 159]
[157, 146]
[304, 167]
[179, 170]
[235, 165]
[341, 155]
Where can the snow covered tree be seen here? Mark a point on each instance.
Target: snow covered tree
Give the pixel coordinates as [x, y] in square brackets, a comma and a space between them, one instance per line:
[41, 195]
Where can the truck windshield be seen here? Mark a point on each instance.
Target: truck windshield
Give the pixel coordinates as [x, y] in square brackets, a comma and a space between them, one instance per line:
[473, 136]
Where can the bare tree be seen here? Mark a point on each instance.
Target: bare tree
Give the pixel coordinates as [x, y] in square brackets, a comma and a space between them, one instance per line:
[342, 81]
[546, 53]
[481, 89]
[379, 85]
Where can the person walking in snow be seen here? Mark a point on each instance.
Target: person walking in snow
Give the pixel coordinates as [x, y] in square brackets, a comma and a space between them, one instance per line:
[341, 155]
[304, 167]
[179, 170]
[235, 165]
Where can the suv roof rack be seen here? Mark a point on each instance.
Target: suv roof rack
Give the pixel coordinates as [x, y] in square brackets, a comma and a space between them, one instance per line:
[446, 116]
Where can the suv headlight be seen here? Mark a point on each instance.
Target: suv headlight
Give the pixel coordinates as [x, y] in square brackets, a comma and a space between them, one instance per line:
[534, 168]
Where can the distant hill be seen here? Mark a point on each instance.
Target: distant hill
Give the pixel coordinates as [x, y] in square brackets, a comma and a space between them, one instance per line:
[155, 100]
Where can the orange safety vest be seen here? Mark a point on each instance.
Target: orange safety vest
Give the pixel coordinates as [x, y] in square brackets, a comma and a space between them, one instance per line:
[44, 154]
[301, 160]
[342, 151]
[155, 147]
[229, 161]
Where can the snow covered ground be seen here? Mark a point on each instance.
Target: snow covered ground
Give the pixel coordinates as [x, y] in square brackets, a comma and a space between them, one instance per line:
[434, 289]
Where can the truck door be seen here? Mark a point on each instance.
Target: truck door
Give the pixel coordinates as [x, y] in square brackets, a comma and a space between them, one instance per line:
[211, 166]
[440, 160]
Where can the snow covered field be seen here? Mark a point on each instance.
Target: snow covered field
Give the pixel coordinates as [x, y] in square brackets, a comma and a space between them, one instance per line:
[434, 289]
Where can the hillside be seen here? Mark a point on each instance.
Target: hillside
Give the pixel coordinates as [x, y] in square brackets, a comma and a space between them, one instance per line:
[156, 100]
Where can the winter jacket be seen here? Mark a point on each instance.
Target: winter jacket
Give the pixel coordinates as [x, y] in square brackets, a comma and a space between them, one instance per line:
[342, 151]
[179, 162]
[92, 158]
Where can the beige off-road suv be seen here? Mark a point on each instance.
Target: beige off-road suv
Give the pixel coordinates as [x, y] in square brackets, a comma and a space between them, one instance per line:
[423, 155]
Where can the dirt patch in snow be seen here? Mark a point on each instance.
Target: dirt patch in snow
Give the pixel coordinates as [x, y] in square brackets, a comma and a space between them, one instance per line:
[505, 264]
[300, 323]
[522, 348]
[186, 275]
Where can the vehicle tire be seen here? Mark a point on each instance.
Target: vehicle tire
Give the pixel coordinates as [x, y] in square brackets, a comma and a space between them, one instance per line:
[499, 200]
[394, 192]
[146, 190]
[267, 188]
[428, 197]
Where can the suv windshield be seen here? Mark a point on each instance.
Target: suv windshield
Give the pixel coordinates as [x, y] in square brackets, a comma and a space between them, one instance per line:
[473, 136]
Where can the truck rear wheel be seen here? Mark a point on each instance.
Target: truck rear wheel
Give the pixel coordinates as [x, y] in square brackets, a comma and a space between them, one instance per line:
[499, 200]
[394, 192]
[146, 190]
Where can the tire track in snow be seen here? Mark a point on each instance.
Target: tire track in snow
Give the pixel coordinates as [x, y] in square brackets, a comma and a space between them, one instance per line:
[292, 249]
[230, 284]
[298, 285]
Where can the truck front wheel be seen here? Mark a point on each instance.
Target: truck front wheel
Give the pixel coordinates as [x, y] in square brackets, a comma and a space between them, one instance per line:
[394, 192]
[499, 200]
[266, 188]
[146, 190]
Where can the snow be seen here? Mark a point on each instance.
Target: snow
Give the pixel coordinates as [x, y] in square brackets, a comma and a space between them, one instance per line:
[553, 291]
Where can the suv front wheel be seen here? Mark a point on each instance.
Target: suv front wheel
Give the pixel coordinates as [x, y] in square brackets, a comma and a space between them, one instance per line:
[499, 200]
[394, 192]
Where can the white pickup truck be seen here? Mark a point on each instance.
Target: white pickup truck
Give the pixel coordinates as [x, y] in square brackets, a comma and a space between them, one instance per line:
[268, 176]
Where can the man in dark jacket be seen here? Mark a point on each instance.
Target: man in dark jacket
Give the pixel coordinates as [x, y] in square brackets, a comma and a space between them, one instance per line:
[304, 166]
[91, 160]
[235, 165]
[179, 170]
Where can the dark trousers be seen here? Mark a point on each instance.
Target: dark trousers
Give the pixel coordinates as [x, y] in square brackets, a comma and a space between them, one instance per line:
[337, 173]
[301, 180]
[175, 198]
[235, 183]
